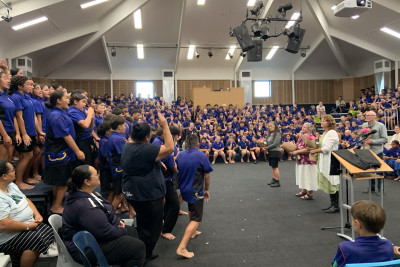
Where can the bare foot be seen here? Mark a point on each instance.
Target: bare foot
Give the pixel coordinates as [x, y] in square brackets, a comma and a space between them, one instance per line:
[181, 212]
[212, 162]
[248, 161]
[31, 181]
[241, 160]
[24, 186]
[168, 236]
[184, 253]
[57, 210]
[124, 209]
[226, 162]
[37, 177]
[195, 234]
[131, 215]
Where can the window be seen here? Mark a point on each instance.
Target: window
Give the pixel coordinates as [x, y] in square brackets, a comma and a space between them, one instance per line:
[145, 89]
[262, 89]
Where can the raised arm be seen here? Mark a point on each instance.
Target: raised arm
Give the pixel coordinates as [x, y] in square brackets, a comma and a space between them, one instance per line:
[168, 146]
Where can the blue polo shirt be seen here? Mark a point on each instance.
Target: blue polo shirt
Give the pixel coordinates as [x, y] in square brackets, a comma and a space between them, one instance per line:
[158, 141]
[97, 121]
[59, 125]
[77, 115]
[204, 146]
[45, 114]
[192, 165]
[217, 146]
[103, 153]
[169, 162]
[243, 143]
[115, 145]
[7, 112]
[364, 249]
[228, 143]
[24, 102]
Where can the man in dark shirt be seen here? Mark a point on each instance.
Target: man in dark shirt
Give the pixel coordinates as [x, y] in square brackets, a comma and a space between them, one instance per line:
[143, 182]
[194, 180]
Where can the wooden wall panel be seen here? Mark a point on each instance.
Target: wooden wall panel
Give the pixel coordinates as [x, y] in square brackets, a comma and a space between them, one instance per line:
[314, 91]
[185, 87]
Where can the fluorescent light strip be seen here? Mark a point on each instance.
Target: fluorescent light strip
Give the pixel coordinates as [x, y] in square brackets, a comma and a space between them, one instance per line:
[230, 52]
[391, 32]
[333, 7]
[140, 51]
[29, 23]
[292, 21]
[272, 52]
[137, 18]
[92, 3]
[251, 3]
[201, 2]
[355, 16]
[191, 52]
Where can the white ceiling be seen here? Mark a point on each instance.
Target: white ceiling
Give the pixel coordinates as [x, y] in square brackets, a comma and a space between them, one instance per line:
[72, 43]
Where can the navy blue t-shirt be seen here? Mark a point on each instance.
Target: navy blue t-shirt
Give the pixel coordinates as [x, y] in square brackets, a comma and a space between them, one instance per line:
[115, 145]
[77, 115]
[7, 112]
[24, 102]
[192, 164]
[217, 146]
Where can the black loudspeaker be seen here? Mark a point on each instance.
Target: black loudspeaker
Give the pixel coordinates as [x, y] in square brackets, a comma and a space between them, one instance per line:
[294, 40]
[243, 37]
[255, 54]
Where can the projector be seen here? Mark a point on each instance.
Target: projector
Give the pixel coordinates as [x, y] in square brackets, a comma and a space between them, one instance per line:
[349, 8]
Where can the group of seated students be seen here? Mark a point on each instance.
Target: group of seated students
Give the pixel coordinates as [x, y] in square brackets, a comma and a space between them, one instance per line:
[70, 138]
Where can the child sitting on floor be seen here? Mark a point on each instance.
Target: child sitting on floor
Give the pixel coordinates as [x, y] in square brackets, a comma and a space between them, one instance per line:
[367, 219]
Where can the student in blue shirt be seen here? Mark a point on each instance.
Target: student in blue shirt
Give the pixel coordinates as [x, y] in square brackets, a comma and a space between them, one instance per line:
[218, 149]
[231, 147]
[194, 170]
[116, 142]
[104, 132]
[254, 150]
[9, 131]
[38, 149]
[368, 219]
[204, 147]
[83, 124]
[60, 148]
[19, 90]
[243, 144]
[392, 155]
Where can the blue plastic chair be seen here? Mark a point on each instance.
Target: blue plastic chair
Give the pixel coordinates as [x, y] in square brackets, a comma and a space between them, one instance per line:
[83, 240]
[393, 263]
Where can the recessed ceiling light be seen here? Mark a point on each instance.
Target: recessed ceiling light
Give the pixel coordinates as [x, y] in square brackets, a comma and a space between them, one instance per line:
[140, 51]
[292, 21]
[333, 7]
[191, 52]
[92, 3]
[272, 52]
[391, 32]
[137, 18]
[355, 16]
[28, 23]
[251, 3]
[201, 2]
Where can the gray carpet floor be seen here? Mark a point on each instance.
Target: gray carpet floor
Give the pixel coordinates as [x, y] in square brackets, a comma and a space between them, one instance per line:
[247, 223]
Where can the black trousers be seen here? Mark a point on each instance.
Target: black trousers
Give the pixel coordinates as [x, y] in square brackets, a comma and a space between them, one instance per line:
[126, 250]
[149, 216]
[379, 180]
[171, 208]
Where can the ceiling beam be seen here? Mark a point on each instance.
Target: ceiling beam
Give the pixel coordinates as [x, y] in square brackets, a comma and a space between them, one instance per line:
[114, 17]
[364, 44]
[107, 54]
[20, 8]
[178, 49]
[313, 46]
[316, 11]
[393, 5]
[42, 43]
[264, 14]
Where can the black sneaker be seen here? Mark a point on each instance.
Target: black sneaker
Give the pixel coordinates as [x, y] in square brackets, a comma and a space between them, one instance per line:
[276, 184]
[273, 180]
[255, 162]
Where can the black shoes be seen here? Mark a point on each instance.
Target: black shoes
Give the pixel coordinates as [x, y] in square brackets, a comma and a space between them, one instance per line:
[274, 183]
[255, 162]
[328, 207]
[333, 209]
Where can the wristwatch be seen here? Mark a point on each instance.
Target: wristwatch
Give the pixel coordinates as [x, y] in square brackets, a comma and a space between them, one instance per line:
[27, 227]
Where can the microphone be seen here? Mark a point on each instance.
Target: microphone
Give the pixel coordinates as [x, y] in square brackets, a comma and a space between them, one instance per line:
[365, 135]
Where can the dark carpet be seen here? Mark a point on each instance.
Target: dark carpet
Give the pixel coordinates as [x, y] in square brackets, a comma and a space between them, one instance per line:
[247, 223]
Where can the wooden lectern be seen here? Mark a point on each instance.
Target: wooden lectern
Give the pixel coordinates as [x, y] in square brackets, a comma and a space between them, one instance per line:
[349, 174]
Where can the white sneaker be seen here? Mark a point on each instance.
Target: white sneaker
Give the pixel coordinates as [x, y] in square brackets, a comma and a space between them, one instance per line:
[51, 252]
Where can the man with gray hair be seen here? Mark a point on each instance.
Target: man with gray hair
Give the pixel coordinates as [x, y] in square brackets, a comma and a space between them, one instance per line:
[376, 141]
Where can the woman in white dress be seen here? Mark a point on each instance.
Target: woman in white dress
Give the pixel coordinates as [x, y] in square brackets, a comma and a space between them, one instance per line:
[306, 169]
[328, 142]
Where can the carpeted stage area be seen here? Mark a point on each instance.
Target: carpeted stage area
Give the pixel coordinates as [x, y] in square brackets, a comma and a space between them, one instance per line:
[247, 223]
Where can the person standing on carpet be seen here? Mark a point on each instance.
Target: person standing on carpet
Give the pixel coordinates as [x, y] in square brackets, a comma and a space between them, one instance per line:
[194, 179]
[143, 182]
[274, 139]
[306, 169]
[328, 142]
